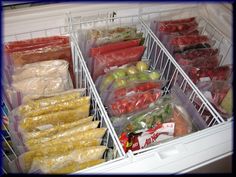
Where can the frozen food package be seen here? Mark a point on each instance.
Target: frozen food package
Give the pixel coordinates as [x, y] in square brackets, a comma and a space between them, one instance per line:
[201, 62]
[38, 69]
[26, 158]
[54, 118]
[46, 53]
[67, 105]
[53, 99]
[34, 43]
[56, 157]
[57, 128]
[80, 155]
[207, 74]
[32, 88]
[132, 87]
[73, 166]
[88, 134]
[63, 133]
[195, 53]
[116, 58]
[113, 46]
[104, 35]
[133, 102]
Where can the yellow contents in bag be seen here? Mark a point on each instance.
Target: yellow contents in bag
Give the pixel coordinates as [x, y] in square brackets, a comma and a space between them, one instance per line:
[53, 100]
[68, 105]
[55, 118]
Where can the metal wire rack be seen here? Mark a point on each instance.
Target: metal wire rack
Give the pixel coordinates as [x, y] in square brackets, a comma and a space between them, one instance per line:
[157, 55]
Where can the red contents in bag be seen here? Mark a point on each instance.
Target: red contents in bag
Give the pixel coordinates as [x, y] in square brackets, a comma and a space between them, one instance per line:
[35, 43]
[191, 54]
[201, 62]
[170, 28]
[134, 102]
[219, 73]
[137, 88]
[114, 46]
[184, 20]
[188, 40]
[116, 58]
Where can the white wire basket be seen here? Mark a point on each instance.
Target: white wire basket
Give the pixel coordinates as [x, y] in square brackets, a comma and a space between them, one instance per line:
[158, 57]
[220, 41]
[83, 80]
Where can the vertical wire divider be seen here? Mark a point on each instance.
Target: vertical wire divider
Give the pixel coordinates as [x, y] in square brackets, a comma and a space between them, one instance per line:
[211, 109]
[103, 111]
[9, 146]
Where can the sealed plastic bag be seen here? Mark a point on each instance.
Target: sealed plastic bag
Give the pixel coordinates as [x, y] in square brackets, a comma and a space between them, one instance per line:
[63, 133]
[34, 43]
[80, 155]
[195, 53]
[51, 100]
[33, 88]
[113, 46]
[38, 69]
[27, 158]
[201, 62]
[88, 134]
[74, 166]
[67, 105]
[116, 58]
[54, 118]
[57, 128]
[133, 103]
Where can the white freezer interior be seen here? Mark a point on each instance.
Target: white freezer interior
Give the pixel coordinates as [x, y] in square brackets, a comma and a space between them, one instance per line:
[181, 155]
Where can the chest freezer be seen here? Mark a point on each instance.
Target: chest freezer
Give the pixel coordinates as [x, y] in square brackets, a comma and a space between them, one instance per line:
[181, 155]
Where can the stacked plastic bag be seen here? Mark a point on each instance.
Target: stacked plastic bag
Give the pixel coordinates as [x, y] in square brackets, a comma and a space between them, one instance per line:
[199, 57]
[56, 134]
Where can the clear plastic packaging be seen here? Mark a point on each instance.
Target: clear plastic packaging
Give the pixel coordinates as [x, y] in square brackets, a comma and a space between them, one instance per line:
[51, 100]
[62, 133]
[201, 62]
[54, 158]
[55, 118]
[116, 58]
[39, 69]
[56, 129]
[173, 116]
[67, 105]
[74, 166]
[79, 155]
[88, 134]
[195, 53]
[133, 102]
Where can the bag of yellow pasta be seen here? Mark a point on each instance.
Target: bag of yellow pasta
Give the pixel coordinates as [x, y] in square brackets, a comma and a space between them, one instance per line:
[61, 134]
[55, 118]
[51, 100]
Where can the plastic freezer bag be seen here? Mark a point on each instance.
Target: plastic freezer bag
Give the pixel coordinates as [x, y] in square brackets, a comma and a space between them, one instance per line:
[133, 103]
[55, 129]
[32, 88]
[68, 105]
[80, 155]
[105, 61]
[43, 68]
[34, 43]
[26, 160]
[51, 100]
[64, 133]
[88, 134]
[55, 118]
[73, 166]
